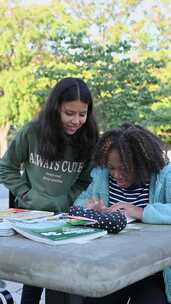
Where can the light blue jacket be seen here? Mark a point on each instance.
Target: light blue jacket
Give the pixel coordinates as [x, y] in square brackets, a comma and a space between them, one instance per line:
[158, 211]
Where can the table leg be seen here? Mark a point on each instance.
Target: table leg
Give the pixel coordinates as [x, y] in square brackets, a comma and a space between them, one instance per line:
[52, 296]
[5, 295]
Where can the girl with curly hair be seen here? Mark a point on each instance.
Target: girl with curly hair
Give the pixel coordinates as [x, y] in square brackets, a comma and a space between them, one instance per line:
[132, 175]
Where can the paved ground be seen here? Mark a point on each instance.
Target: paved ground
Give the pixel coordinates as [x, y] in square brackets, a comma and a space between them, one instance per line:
[14, 288]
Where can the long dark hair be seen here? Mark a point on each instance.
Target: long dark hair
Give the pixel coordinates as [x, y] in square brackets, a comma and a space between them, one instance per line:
[52, 141]
[137, 147]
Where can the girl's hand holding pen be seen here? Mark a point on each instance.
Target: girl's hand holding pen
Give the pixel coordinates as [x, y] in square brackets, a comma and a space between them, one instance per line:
[128, 209]
[125, 208]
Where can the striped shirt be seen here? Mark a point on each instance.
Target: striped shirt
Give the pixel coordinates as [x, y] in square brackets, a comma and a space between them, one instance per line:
[138, 195]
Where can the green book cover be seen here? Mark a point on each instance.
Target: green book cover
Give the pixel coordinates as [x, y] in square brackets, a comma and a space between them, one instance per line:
[55, 231]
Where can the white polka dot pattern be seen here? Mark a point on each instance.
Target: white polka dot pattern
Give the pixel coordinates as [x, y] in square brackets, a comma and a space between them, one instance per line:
[112, 222]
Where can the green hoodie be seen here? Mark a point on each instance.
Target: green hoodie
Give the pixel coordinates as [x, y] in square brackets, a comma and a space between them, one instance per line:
[44, 185]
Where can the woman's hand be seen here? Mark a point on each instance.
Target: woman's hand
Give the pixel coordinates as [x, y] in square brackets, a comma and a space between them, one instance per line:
[128, 209]
[96, 204]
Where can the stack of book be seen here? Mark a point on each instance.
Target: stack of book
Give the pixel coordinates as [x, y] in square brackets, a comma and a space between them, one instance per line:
[17, 214]
[46, 227]
[6, 229]
[23, 214]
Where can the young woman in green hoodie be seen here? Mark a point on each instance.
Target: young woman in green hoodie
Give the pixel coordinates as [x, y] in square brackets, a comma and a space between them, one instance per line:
[53, 153]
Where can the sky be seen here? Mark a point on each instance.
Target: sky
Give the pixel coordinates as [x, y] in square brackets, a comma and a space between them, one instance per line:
[34, 1]
[145, 3]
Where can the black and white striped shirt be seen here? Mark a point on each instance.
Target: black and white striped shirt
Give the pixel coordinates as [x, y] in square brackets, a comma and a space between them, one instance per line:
[137, 195]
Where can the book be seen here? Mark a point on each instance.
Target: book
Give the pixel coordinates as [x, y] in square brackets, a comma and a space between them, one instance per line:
[50, 216]
[22, 214]
[6, 229]
[19, 215]
[56, 230]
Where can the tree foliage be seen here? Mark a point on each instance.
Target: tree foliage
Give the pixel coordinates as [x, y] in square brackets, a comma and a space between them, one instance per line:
[124, 58]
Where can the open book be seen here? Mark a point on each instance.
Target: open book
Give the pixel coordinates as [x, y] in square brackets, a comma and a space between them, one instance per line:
[56, 230]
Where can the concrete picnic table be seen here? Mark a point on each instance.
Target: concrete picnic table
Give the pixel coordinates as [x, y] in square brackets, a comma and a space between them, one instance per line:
[96, 268]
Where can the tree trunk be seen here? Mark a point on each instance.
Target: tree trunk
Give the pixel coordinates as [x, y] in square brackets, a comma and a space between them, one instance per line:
[4, 138]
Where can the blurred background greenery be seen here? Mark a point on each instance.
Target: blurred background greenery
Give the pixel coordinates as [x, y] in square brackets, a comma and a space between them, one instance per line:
[122, 49]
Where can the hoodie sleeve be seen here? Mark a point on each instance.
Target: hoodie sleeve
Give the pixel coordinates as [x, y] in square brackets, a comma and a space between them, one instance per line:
[160, 212]
[10, 164]
[90, 192]
[81, 183]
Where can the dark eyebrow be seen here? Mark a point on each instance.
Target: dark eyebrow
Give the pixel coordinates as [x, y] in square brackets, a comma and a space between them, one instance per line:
[71, 111]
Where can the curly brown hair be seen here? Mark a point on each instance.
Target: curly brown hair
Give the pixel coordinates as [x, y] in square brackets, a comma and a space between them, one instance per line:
[137, 147]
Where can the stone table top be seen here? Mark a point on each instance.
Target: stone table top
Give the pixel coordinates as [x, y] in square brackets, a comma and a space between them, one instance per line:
[96, 268]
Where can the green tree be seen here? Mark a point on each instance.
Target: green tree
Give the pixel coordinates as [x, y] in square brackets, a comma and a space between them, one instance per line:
[124, 59]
